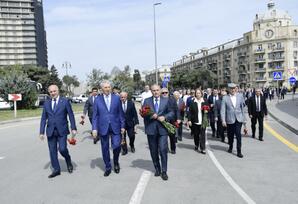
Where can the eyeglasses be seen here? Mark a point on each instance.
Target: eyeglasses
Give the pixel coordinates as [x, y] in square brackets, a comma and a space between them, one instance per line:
[164, 92]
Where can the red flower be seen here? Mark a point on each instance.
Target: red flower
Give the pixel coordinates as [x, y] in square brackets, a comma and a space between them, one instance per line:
[205, 108]
[177, 125]
[146, 111]
[72, 141]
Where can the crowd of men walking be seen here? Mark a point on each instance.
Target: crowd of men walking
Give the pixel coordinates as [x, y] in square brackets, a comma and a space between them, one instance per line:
[114, 116]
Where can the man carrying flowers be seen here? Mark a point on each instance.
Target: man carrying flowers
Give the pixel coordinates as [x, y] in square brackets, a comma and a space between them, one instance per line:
[156, 111]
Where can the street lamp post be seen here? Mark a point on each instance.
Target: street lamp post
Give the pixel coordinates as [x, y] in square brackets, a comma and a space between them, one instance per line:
[155, 49]
[66, 66]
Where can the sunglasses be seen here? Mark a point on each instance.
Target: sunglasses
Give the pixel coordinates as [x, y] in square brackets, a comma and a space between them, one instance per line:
[164, 92]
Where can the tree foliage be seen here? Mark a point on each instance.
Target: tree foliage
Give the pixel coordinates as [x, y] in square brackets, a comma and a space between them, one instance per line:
[70, 81]
[96, 77]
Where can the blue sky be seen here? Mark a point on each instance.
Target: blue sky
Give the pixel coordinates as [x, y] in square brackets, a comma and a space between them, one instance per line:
[107, 33]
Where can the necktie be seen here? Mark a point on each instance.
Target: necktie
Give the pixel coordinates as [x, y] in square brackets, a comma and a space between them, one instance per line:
[55, 104]
[258, 104]
[108, 103]
[156, 105]
[124, 107]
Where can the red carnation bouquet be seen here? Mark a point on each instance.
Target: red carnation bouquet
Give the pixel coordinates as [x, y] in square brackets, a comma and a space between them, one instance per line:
[146, 111]
[72, 141]
[205, 109]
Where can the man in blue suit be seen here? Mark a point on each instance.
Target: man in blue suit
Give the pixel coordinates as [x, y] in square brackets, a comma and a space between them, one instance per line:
[131, 121]
[108, 120]
[54, 115]
[157, 134]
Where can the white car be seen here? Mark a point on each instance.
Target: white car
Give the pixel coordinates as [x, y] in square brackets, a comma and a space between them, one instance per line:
[80, 99]
[4, 104]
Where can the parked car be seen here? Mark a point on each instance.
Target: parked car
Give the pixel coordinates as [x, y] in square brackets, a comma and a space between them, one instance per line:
[136, 97]
[79, 99]
[42, 98]
[4, 104]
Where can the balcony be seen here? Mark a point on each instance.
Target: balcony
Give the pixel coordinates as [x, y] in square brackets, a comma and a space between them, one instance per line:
[277, 59]
[242, 80]
[259, 51]
[259, 70]
[241, 54]
[259, 79]
[278, 49]
[260, 60]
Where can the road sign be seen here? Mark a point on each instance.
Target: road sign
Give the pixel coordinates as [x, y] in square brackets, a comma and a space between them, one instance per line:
[14, 97]
[292, 80]
[277, 75]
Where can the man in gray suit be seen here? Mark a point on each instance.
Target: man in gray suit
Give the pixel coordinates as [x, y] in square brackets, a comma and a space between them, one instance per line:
[89, 108]
[232, 115]
[157, 134]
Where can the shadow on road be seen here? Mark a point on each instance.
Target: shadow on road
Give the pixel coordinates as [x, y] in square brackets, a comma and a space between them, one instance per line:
[186, 146]
[62, 165]
[143, 164]
[97, 163]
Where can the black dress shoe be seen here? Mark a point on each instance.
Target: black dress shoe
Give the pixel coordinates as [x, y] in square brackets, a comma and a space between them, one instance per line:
[124, 153]
[196, 148]
[203, 151]
[239, 155]
[133, 149]
[173, 151]
[179, 139]
[107, 173]
[54, 174]
[253, 136]
[70, 168]
[164, 176]
[157, 173]
[230, 150]
[261, 139]
[117, 168]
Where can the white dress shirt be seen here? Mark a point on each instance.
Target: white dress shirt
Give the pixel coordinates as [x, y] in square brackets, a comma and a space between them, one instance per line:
[199, 104]
[124, 106]
[257, 103]
[108, 99]
[234, 100]
[53, 102]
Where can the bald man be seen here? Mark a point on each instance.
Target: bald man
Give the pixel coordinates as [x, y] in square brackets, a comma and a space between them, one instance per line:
[54, 116]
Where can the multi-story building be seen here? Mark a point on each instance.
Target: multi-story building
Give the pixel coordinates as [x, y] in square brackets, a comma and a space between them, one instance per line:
[162, 72]
[22, 33]
[250, 61]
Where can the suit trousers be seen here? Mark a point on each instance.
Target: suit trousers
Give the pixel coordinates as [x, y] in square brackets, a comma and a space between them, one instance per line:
[179, 130]
[199, 135]
[173, 141]
[105, 145]
[260, 118]
[234, 129]
[55, 143]
[131, 135]
[159, 144]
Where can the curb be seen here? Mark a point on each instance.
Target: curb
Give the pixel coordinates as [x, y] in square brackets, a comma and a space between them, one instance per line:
[295, 131]
[27, 119]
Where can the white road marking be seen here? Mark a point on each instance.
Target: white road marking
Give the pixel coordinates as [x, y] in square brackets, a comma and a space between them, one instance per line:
[236, 187]
[136, 198]
[2, 158]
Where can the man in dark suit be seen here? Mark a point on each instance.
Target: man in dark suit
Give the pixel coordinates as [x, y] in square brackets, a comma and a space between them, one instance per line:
[54, 116]
[179, 114]
[211, 100]
[131, 120]
[157, 134]
[88, 107]
[217, 106]
[108, 120]
[257, 109]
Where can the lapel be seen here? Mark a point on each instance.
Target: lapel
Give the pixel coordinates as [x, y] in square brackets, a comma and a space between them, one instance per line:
[50, 105]
[161, 104]
[60, 102]
[151, 103]
[230, 101]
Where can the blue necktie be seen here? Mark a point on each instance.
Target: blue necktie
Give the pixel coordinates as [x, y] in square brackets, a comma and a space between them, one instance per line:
[55, 104]
[156, 105]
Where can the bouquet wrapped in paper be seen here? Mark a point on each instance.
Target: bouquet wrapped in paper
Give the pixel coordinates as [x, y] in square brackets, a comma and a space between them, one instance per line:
[147, 112]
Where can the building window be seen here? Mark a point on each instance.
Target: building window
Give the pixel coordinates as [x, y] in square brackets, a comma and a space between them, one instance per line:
[295, 44]
[295, 63]
[269, 46]
[260, 47]
[295, 33]
[278, 44]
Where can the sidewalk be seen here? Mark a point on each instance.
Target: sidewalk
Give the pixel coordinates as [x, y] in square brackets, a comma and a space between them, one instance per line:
[285, 112]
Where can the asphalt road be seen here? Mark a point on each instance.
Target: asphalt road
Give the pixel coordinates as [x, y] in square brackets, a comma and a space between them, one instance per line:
[267, 173]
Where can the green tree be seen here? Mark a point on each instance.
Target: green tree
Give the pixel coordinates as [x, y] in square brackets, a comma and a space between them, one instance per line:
[124, 81]
[70, 81]
[138, 83]
[14, 81]
[96, 77]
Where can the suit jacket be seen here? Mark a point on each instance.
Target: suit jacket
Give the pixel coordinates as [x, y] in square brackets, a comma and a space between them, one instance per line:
[152, 126]
[131, 116]
[193, 111]
[57, 119]
[181, 109]
[88, 107]
[102, 117]
[211, 113]
[229, 113]
[252, 106]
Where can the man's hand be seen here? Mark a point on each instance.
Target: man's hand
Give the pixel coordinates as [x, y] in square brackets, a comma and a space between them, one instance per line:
[161, 118]
[189, 123]
[135, 129]
[94, 133]
[73, 133]
[216, 118]
[122, 131]
[41, 137]
[224, 124]
[178, 121]
[154, 116]
[250, 116]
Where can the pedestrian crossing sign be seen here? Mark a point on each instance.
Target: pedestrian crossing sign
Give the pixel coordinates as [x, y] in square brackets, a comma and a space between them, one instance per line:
[277, 75]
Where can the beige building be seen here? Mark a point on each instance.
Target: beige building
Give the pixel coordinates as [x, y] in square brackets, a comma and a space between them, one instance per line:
[272, 46]
[163, 71]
